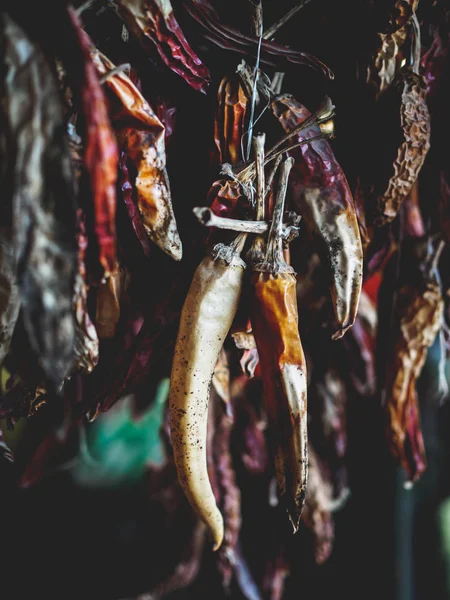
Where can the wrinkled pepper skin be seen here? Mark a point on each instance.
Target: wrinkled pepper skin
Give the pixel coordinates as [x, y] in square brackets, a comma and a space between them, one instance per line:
[321, 194]
[140, 135]
[206, 318]
[420, 314]
[283, 370]
[412, 151]
[101, 155]
[154, 21]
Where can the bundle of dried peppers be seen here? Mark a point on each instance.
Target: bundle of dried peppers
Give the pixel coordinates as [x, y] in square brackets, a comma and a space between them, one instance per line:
[322, 274]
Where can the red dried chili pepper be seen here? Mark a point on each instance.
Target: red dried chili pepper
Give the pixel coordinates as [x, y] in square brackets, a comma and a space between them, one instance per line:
[141, 136]
[101, 156]
[154, 20]
[321, 193]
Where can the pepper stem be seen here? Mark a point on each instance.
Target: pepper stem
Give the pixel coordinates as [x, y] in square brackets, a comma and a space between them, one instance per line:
[274, 261]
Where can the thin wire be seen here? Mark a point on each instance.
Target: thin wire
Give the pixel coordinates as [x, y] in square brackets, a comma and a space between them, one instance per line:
[253, 102]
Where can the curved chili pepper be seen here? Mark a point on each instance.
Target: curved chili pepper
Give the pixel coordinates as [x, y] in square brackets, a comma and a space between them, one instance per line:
[154, 20]
[206, 318]
[323, 197]
[101, 155]
[132, 209]
[230, 120]
[420, 314]
[274, 320]
[415, 125]
[229, 38]
[141, 136]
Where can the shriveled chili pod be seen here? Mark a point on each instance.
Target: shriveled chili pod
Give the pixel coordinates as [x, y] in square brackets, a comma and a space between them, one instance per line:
[418, 318]
[108, 304]
[43, 200]
[322, 196]
[410, 90]
[419, 326]
[230, 119]
[274, 320]
[154, 21]
[86, 338]
[317, 514]
[206, 318]
[140, 135]
[101, 155]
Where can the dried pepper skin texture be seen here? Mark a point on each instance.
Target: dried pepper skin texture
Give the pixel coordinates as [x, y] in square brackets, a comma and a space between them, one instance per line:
[154, 20]
[206, 318]
[140, 135]
[317, 514]
[108, 305]
[228, 38]
[43, 202]
[101, 155]
[9, 292]
[283, 370]
[419, 314]
[415, 125]
[229, 124]
[86, 338]
[322, 195]
[391, 15]
[383, 71]
[132, 208]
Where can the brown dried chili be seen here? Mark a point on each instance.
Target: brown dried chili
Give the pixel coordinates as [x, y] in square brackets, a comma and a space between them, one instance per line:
[229, 123]
[108, 304]
[274, 320]
[154, 20]
[140, 135]
[317, 513]
[415, 125]
[101, 155]
[419, 316]
[387, 60]
[206, 318]
[322, 195]
[86, 338]
[130, 203]
[43, 201]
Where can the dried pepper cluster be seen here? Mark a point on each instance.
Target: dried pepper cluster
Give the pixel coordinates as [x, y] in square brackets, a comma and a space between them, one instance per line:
[317, 277]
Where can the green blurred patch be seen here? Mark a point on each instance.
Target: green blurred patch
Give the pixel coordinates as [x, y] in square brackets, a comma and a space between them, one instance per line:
[116, 449]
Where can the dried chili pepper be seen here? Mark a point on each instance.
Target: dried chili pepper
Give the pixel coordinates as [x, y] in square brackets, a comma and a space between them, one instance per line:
[229, 493]
[9, 291]
[321, 193]
[387, 60]
[43, 201]
[415, 125]
[108, 304]
[154, 20]
[86, 338]
[132, 209]
[206, 318]
[229, 38]
[274, 320]
[418, 318]
[317, 513]
[101, 155]
[229, 121]
[140, 135]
